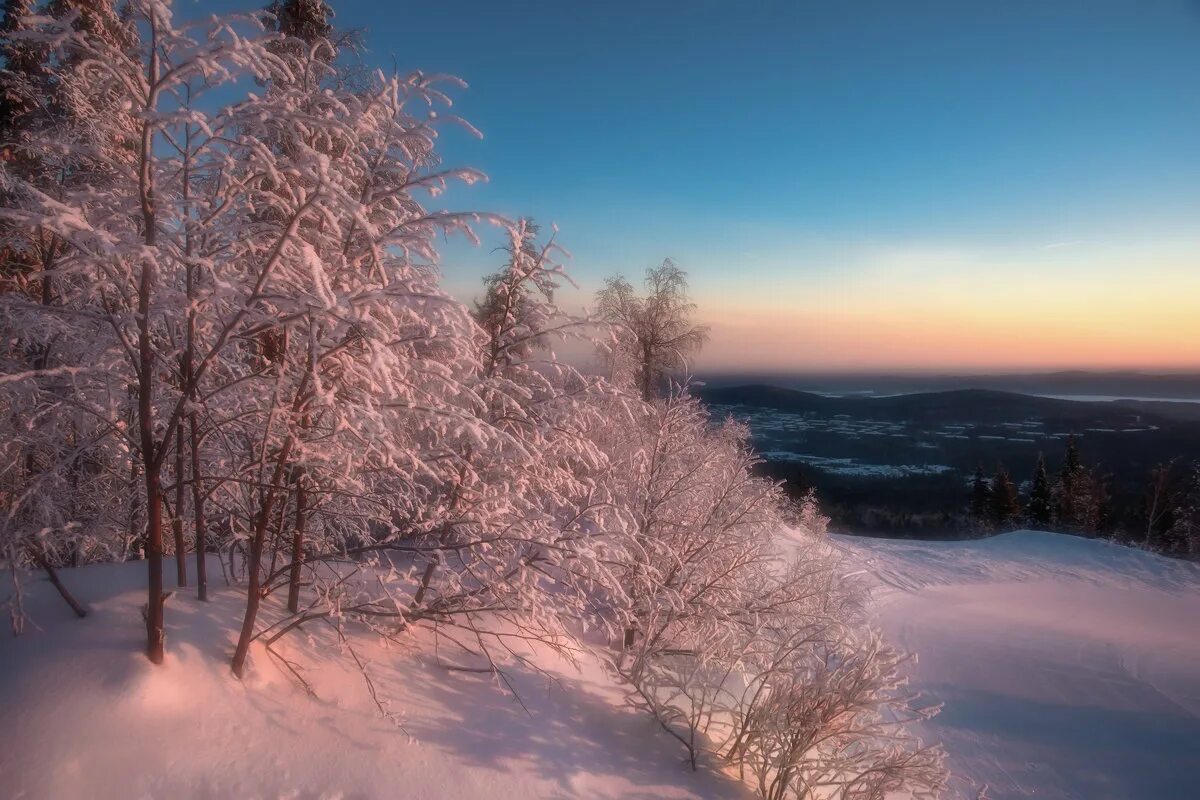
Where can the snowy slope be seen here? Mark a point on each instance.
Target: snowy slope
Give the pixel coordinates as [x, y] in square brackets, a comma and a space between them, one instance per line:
[84, 715]
[1069, 668]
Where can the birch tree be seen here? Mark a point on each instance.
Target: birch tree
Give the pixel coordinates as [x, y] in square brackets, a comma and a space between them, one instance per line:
[653, 335]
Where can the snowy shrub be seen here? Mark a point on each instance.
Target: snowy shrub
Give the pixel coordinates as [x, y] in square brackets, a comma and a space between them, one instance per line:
[748, 644]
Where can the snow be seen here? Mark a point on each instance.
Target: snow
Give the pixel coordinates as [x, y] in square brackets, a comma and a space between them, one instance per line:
[852, 468]
[1069, 668]
[83, 714]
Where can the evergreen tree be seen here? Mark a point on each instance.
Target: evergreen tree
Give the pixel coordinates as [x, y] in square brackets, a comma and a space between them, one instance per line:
[1005, 507]
[1099, 520]
[1072, 500]
[981, 500]
[1072, 461]
[1183, 537]
[40, 96]
[22, 81]
[22, 73]
[1040, 509]
[307, 20]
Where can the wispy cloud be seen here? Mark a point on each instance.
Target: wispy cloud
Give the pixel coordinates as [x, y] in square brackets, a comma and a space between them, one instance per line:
[1060, 245]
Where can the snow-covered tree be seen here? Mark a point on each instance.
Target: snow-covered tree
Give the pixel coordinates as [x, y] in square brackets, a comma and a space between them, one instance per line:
[1183, 537]
[653, 335]
[733, 630]
[215, 250]
[301, 21]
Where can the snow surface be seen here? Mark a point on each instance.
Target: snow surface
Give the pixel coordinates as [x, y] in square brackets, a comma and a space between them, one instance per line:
[84, 715]
[1069, 668]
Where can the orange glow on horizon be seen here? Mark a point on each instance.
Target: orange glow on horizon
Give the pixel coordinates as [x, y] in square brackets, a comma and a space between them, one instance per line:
[1002, 320]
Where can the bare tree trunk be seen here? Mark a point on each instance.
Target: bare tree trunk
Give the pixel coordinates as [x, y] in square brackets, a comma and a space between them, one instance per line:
[155, 632]
[253, 591]
[299, 531]
[177, 521]
[131, 532]
[254, 584]
[198, 511]
[647, 377]
[199, 524]
[52, 574]
[298, 546]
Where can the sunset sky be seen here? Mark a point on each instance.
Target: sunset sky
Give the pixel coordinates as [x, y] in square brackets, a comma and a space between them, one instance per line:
[859, 185]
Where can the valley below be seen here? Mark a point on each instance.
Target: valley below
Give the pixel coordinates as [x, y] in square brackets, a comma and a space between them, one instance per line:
[901, 465]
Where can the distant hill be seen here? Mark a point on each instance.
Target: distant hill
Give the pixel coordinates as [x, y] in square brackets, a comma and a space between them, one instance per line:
[1183, 386]
[901, 464]
[958, 405]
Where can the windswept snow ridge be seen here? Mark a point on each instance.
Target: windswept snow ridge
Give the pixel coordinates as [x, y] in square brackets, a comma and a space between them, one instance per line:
[1069, 668]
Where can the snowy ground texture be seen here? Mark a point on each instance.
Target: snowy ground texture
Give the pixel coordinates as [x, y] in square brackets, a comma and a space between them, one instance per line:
[84, 715]
[1069, 668]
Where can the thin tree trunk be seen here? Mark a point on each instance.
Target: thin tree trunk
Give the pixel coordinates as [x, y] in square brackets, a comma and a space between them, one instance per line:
[131, 533]
[198, 511]
[199, 524]
[177, 521]
[430, 569]
[647, 381]
[40, 363]
[254, 583]
[52, 574]
[299, 531]
[155, 632]
[253, 593]
[298, 545]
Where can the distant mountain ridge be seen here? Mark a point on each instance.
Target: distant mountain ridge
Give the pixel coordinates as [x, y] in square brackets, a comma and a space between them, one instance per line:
[954, 405]
[1119, 383]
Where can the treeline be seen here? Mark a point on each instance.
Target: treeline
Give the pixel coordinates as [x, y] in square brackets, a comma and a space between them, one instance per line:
[225, 340]
[1078, 500]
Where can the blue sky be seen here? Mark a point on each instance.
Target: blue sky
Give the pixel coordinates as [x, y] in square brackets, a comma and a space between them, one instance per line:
[864, 179]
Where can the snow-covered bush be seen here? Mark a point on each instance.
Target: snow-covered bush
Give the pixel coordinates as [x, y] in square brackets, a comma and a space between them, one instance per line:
[746, 643]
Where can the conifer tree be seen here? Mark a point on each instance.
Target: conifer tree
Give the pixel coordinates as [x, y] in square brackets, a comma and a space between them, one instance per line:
[306, 20]
[1040, 509]
[22, 72]
[1071, 506]
[981, 499]
[22, 79]
[1005, 507]
[1183, 537]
